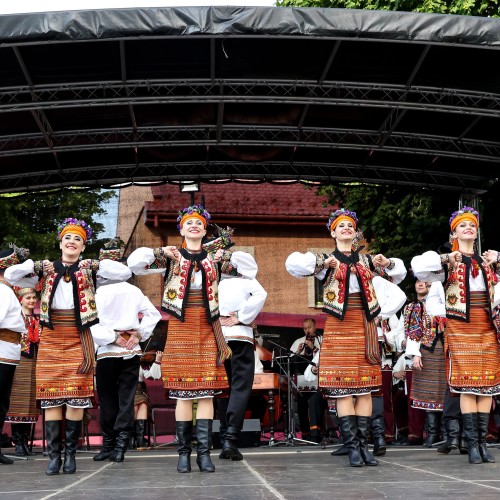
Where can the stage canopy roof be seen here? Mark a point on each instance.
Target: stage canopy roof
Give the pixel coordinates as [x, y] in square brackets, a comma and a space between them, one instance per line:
[100, 98]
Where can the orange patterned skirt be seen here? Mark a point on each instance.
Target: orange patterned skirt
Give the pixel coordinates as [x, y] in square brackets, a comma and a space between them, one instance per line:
[472, 351]
[189, 366]
[59, 355]
[343, 367]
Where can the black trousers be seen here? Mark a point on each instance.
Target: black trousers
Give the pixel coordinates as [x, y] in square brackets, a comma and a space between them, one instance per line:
[116, 381]
[240, 369]
[451, 407]
[310, 407]
[6, 380]
[377, 407]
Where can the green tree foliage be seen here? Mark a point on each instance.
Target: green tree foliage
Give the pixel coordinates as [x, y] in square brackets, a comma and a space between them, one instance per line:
[395, 221]
[31, 220]
[484, 8]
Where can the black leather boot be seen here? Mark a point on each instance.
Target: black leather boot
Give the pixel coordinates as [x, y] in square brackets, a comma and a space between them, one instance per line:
[54, 446]
[26, 434]
[432, 424]
[108, 444]
[470, 426]
[5, 460]
[348, 429]
[482, 430]
[341, 452]
[229, 446]
[378, 430]
[184, 431]
[204, 438]
[17, 439]
[73, 429]
[362, 437]
[452, 429]
[139, 433]
[121, 446]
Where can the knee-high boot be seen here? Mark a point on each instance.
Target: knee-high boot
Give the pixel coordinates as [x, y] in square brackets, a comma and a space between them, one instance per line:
[470, 427]
[184, 431]
[204, 438]
[348, 429]
[17, 438]
[378, 431]
[73, 429]
[452, 429]
[432, 423]
[54, 446]
[139, 433]
[108, 445]
[482, 430]
[362, 437]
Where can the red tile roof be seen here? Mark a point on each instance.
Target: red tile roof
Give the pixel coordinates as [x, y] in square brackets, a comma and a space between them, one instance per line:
[234, 199]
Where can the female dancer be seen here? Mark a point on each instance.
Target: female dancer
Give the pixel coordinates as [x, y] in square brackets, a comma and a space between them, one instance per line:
[65, 365]
[349, 362]
[471, 347]
[23, 409]
[193, 360]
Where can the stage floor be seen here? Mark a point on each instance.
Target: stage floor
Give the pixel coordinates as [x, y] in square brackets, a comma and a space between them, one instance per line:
[281, 472]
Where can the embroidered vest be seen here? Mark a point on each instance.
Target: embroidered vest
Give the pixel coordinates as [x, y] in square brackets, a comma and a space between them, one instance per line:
[336, 284]
[457, 289]
[83, 281]
[178, 279]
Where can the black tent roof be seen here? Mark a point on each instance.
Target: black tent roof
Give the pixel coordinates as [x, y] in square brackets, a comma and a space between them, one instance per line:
[97, 98]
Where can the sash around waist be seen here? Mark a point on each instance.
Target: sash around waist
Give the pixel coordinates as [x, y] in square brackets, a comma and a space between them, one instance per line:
[10, 336]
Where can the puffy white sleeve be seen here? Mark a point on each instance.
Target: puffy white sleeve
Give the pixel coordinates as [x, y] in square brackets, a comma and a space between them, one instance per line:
[150, 318]
[254, 304]
[102, 336]
[153, 372]
[398, 272]
[140, 260]
[412, 348]
[496, 300]
[301, 265]
[435, 301]
[308, 374]
[245, 264]
[428, 267]
[399, 333]
[391, 297]
[22, 274]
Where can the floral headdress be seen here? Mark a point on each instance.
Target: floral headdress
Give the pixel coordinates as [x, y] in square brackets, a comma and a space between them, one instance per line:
[463, 213]
[16, 256]
[75, 225]
[194, 210]
[344, 214]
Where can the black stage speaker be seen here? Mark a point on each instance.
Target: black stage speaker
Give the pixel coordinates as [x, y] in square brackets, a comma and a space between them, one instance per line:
[248, 438]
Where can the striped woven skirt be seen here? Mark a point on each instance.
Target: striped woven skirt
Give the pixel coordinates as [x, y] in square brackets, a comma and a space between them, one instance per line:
[23, 397]
[429, 384]
[472, 351]
[189, 366]
[343, 367]
[59, 355]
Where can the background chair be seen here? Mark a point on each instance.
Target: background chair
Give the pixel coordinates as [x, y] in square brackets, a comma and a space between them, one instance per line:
[162, 410]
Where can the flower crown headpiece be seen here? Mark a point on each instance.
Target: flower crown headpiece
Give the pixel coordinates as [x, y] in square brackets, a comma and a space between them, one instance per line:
[462, 211]
[338, 213]
[193, 209]
[75, 222]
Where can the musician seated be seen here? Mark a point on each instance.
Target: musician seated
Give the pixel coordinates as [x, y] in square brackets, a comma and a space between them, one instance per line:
[310, 401]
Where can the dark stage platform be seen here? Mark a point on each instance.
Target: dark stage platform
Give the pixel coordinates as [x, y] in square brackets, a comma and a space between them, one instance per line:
[266, 473]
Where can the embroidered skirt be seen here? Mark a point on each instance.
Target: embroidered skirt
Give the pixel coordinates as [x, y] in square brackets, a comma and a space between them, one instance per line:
[472, 351]
[23, 406]
[343, 367]
[59, 356]
[189, 366]
[429, 384]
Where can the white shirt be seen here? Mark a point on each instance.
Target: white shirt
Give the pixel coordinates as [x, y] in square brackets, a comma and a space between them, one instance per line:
[154, 372]
[118, 307]
[11, 318]
[247, 298]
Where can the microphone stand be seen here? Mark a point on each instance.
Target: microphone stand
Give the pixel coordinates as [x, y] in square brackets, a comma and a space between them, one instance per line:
[290, 438]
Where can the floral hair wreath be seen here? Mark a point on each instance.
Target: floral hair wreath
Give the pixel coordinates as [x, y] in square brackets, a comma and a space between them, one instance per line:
[193, 209]
[338, 213]
[464, 210]
[70, 221]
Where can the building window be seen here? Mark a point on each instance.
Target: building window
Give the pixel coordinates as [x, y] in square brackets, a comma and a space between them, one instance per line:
[315, 288]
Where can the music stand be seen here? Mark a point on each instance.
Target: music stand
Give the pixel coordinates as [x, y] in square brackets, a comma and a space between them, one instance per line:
[290, 438]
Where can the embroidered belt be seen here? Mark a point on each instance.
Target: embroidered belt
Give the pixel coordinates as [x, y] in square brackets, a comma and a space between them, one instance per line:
[10, 336]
